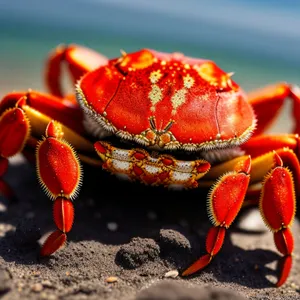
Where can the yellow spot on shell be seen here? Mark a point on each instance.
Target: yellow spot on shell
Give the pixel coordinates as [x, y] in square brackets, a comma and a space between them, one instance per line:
[178, 99]
[155, 76]
[188, 81]
[155, 96]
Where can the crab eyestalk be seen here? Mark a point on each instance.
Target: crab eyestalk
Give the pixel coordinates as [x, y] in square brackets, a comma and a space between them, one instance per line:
[59, 173]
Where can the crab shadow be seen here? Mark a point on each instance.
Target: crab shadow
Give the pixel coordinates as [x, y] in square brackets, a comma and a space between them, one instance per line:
[133, 210]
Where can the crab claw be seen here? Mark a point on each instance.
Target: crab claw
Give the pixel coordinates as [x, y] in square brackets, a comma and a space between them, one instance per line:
[59, 173]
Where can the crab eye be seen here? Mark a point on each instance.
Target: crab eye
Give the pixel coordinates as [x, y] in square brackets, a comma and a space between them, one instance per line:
[134, 61]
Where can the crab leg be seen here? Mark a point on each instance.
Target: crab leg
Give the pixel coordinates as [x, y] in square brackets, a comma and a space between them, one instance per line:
[277, 205]
[59, 172]
[277, 200]
[262, 144]
[79, 61]
[271, 99]
[14, 131]
[60, 109]
[224, 202]
[23, 120]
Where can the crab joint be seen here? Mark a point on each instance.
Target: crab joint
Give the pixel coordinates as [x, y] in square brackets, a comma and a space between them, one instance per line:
[63, 214]
[59, 172]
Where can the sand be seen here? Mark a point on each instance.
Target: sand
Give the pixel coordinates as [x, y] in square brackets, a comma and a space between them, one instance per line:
[125, 241]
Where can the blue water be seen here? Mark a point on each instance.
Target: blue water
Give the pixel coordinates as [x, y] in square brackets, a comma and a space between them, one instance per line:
[258, 40]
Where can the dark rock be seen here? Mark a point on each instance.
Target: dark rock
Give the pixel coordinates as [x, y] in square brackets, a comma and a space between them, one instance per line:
[137, 252]
[172, 240]
[169, 290]
[177, 247]
[5, 280]
[27, 233]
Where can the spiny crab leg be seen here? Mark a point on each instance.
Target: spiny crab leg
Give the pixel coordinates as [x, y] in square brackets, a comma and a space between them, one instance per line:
[277, 205]
[224, 202]
[79, 61]
[275, 171]
[59, 172]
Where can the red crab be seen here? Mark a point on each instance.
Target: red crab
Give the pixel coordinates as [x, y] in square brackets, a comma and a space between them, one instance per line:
[161, 119]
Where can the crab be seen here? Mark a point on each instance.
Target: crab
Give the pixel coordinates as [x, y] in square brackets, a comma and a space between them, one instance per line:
[163, 119]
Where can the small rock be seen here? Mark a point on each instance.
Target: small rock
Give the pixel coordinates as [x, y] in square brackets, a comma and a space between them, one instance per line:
[111, 279]
[37, 287]
[5, 280]
[172, 274]
[112, 226]
[3, 208]
[172, 240]
[47, 284]
[137, 252]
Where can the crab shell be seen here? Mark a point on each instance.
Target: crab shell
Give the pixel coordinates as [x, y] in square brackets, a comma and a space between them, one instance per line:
[167, 101]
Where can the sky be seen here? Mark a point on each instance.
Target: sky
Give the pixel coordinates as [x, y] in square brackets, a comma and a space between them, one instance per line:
[259, 40]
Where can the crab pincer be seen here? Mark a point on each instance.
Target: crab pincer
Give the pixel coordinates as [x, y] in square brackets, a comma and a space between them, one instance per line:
[59, 172]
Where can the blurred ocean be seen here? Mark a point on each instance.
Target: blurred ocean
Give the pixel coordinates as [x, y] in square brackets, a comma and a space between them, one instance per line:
[258, 40]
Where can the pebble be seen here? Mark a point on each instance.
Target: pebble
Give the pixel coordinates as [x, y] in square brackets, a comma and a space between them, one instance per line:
[171, 274]
[294, 286]
[3, 208]
[47, 284]
[111, 279]
[37, 287]
[112, 226]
